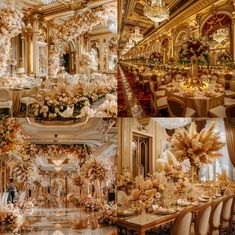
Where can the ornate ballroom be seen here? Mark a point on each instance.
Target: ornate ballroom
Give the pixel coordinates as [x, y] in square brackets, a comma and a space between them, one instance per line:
[63, 177]
[176, 58]
[58, 58]
[176, 176]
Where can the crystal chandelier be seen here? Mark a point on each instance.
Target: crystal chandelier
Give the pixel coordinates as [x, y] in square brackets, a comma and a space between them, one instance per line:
[137, 36]
[220, 35]
[172, 123]
[156, 11]
[46, 2]
[130, 43]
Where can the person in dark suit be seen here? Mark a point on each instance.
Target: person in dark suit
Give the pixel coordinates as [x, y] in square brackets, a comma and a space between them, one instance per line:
[11, 190]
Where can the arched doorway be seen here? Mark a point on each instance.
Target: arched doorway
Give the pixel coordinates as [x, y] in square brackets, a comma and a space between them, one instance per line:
[218, 29]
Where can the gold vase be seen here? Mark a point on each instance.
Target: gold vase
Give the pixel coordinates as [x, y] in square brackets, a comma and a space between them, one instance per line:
[194, 70]
[195, 174]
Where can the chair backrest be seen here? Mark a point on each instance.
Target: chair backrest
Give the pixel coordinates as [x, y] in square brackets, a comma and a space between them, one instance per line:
[221, 81]
[230, 111]
[227, 209]
[182, 223]
[4, 94]
[228, 76]
[177, 108]
[152, 91]
[229, 191]
[202, 220]
[232, 85]
[215, 215]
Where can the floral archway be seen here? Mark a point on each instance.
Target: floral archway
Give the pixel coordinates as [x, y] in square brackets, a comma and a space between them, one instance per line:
[11, 25]
[76, 26]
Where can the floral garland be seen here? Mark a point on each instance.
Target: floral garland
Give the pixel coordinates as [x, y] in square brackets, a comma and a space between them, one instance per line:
[21, 172]
[198, 148]
[156, 58]
[224, 57]
[73, 28]
[12, 140]
[94, 170]
[80, 151]
[11, 25]
[194, 51]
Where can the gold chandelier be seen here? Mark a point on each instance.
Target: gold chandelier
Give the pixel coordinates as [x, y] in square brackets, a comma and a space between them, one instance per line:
[156, 11]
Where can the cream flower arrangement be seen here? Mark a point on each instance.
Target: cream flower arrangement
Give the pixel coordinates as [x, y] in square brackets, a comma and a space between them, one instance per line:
[108, 108]
[12, 139]
[94, 170]
[11, 218]
[199, 148]
[11, 25]
[78, 25]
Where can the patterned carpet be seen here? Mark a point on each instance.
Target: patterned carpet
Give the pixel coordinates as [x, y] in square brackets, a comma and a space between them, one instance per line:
[142, 96]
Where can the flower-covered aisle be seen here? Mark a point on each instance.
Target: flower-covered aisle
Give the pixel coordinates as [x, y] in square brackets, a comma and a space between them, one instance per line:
[58, 188]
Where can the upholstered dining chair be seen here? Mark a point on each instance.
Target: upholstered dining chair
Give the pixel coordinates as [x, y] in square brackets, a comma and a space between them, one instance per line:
[156, 104]
[182, 223]
[6, 100]
[215, 217]
[142, 81]
[177, 108]
[201, 226]
[230, 111]
[231, 92]
[226, 215]
[232, 220]
[30, 99]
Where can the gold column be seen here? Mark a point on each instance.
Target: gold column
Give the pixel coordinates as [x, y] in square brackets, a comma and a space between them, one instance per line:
[232, 36]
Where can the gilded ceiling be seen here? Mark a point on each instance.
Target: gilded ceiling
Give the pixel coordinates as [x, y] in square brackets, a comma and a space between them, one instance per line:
[133, 15]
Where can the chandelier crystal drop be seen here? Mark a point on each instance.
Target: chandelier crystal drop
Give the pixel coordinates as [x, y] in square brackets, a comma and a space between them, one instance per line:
[220, 35]
[137, 36]
[130, 43]
[173, 123]
[156, 11]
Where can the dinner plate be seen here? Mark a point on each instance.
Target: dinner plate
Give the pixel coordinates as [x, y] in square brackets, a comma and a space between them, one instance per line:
[165, 212]
[125, 213]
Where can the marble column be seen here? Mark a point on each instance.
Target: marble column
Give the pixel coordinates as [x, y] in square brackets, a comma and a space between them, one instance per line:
[23, 51]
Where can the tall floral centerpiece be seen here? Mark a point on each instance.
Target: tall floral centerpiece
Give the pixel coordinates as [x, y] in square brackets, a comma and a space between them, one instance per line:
[193, 52]
[198, 148]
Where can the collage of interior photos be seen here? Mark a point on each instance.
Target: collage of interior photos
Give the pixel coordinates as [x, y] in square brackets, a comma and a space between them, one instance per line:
[117, 117]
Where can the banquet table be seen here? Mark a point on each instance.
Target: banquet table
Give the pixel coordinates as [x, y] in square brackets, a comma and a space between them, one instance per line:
[144, 222]
[202, 100]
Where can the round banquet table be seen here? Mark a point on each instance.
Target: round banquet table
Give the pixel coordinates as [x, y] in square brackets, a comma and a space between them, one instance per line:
[202, 100]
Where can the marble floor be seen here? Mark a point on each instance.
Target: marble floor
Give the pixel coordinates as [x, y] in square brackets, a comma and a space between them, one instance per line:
[59, 221]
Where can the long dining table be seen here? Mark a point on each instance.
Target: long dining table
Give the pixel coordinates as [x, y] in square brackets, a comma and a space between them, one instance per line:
[146, 221]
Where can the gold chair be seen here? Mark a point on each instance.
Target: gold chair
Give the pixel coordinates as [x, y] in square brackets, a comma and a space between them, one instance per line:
[182, 223]
[226, 215]
[201, 226]
[156, 104]
[177, 108]
[215, 216]
[6, 100]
